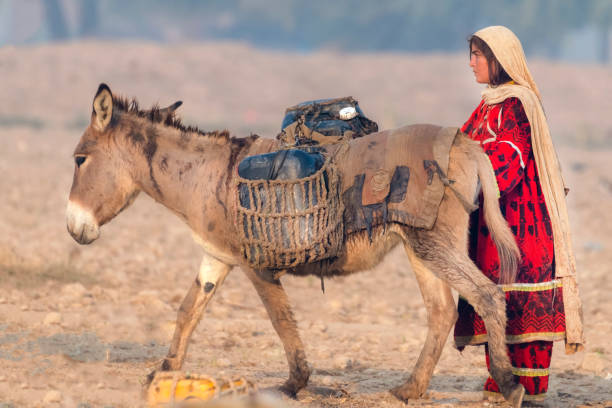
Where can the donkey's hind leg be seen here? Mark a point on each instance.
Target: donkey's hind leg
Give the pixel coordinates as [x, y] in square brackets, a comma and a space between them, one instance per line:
[211, 275]
[441, 315]
[277, 305]
[452, 264]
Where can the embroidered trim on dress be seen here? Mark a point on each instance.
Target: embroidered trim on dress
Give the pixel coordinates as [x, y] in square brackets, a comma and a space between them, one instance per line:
[462, 341]
[498, 397]
[491, 139]
[530, 372]
[517, 150]
[531, 287]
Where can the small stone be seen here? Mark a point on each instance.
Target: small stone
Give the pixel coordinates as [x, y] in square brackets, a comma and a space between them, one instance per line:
[23, 385]
[149, 293]
[319, 327]
[327, 380]
[74, 290]
[24, 308]
[334, 305]
[405, 347]
[2, 300]
[342, 362]
[223, 362]
[2, 378]
[52, 396]
[100, 386]
[52, 318]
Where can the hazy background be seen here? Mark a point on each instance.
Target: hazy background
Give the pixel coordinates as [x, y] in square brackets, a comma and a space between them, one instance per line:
[571, 38]
[577, 30]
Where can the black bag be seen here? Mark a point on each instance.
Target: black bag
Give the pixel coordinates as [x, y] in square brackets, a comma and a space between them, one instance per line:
[293, 164]
[312, 122]
[281, 165]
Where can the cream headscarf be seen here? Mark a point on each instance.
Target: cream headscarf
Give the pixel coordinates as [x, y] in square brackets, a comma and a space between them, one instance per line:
[508, 50]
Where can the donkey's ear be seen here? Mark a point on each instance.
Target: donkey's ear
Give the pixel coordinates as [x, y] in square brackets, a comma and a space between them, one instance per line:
[102, 108]
[169, 111]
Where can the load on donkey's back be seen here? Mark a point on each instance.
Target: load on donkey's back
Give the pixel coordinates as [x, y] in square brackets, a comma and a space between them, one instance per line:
[296, 204]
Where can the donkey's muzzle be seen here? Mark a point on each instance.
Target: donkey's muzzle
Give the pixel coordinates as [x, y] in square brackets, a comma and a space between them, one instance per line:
[81, 224]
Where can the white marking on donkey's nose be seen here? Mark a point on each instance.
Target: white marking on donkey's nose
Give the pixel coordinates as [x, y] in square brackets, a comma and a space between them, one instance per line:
[81, 224]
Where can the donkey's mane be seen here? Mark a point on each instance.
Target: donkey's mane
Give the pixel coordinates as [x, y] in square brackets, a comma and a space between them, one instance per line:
[154, 115]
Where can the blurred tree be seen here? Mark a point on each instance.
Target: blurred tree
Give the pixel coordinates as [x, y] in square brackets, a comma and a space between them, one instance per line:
[56, 22]
[89, 18]
[384, 25]
[601, 14]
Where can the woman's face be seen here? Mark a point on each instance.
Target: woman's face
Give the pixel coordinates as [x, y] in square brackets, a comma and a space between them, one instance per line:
[479, 65]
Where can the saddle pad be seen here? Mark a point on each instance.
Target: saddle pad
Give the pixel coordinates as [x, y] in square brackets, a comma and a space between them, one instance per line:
[391, 176]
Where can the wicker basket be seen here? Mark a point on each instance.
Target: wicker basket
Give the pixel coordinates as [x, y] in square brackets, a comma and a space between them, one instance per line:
[285, 223]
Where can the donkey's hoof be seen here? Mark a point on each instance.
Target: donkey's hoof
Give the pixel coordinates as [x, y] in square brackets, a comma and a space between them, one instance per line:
[290, 389]
[298, 379]
[406, 392]
[516, 396]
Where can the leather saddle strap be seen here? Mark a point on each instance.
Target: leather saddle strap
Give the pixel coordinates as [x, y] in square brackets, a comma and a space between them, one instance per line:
[469, 207]
[277, 164]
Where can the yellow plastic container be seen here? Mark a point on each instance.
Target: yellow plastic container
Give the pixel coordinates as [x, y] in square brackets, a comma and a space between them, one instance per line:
[175, 388]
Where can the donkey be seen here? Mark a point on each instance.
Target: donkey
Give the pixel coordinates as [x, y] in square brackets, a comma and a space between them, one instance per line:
[125, 150]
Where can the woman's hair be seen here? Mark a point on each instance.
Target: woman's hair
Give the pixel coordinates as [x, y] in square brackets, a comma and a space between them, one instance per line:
[497, 73]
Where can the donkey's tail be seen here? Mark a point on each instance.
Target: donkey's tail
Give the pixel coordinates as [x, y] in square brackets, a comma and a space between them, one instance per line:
[507, 249]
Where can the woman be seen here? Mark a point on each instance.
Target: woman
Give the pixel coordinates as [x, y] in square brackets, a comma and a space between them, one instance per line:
[542, 304]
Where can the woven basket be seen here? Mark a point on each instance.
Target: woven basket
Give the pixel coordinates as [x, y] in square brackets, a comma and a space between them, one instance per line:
[285, 223]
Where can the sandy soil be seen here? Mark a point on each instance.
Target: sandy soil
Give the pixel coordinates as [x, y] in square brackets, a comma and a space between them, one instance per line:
[82, 325]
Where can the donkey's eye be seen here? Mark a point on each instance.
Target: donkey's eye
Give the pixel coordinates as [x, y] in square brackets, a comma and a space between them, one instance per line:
[79, 160]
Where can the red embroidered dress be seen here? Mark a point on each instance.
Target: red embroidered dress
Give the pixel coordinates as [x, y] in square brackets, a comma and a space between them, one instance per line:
[534, 303]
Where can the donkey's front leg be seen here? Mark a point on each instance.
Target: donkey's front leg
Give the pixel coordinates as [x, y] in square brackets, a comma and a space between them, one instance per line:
[277, 305]
[211, 276]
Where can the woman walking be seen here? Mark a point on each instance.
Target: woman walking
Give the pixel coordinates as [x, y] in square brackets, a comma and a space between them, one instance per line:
[542, 303]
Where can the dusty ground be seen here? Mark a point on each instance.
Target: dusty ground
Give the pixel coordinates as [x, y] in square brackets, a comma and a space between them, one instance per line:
[82, 325]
